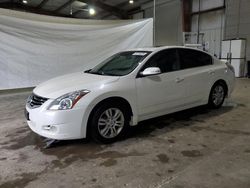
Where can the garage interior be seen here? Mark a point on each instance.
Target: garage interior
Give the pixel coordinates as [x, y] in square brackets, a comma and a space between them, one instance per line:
[194, 148]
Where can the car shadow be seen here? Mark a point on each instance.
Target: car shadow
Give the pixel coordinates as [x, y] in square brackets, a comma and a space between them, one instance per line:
[169, 122]
[144, 129]
[176, 120]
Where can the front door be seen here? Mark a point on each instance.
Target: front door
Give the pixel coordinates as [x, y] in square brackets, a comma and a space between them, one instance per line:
[163, 93]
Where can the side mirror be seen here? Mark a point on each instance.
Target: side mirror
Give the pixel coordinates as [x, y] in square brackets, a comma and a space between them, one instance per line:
[151, 71]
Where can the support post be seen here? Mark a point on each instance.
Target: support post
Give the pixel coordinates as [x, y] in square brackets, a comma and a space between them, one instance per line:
[154, 20]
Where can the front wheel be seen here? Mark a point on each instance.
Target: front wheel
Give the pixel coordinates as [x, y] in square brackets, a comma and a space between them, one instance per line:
[109, 123]
[217, 95]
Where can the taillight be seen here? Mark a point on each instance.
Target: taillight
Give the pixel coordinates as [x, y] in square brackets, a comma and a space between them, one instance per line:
[230, 67]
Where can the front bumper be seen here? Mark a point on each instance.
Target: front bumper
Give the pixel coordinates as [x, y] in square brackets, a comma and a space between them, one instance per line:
[58, 124]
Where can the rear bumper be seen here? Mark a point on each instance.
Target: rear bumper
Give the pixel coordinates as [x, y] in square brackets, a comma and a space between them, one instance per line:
[231, 85]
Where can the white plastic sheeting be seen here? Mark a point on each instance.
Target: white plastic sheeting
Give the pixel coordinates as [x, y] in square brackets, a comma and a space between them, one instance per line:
[35, 48]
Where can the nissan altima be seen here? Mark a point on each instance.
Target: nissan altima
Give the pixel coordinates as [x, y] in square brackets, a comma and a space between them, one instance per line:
[129, 87]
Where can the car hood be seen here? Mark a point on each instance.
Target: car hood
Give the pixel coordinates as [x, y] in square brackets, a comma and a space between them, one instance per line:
[59, 86]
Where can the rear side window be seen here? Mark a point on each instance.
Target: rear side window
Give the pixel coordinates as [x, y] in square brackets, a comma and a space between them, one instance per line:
[192, 58]
[166, 60]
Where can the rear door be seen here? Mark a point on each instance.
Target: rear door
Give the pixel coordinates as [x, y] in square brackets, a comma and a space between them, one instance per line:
[164, 92]
[198, 72]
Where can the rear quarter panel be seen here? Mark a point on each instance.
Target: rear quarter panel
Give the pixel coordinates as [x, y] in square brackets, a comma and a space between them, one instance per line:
[223, 73]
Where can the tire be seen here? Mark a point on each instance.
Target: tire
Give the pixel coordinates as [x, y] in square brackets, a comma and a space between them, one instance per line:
[109, 123]
[217, 95]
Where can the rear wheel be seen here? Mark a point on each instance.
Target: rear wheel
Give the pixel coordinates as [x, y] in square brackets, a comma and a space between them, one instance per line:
[109, 123]
[217, 95]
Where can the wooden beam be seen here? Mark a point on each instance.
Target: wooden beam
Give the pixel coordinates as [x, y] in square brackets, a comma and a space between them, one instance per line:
[186, 15]
[64, 5]
[42, 4]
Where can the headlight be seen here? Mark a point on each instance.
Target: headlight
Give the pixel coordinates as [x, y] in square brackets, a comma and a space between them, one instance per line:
[29, 99]
[67, 101]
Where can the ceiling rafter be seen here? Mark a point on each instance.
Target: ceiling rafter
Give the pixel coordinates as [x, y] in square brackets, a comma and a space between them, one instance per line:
[76, 12]
[22, 7]
[131, 11]
[64, 5]
[85, 15]
[104, 7]
[42, 4]
[112, 9]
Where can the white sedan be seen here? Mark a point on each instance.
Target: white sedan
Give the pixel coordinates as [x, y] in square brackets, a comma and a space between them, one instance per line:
[129, 87]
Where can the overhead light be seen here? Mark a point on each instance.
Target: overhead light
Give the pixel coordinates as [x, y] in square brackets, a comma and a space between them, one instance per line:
[92, 11]
[25, 1]
[131, 1]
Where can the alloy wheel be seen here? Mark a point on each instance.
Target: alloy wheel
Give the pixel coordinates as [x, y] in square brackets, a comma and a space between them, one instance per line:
[111, 123]
[218, 95]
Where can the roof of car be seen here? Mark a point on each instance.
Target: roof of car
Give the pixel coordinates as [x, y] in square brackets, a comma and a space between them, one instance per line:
[156, 49]
[152, 49]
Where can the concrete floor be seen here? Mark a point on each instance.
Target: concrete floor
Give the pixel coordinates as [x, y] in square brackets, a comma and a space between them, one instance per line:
[192, 149]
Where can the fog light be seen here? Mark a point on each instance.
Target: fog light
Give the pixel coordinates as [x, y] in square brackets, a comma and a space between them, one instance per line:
[49, 128]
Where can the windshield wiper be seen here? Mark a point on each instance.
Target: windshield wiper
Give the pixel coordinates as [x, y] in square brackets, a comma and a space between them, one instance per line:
[111, 74]
[101, 73]
[98, 73]
[87, 71]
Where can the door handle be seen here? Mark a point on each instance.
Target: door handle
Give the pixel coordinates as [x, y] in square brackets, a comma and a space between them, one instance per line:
[178, 80]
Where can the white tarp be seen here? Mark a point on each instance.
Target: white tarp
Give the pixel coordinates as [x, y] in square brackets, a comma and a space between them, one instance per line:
[35, 48]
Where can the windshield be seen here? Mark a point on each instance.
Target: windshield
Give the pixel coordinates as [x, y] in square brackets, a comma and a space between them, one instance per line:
[120, 64]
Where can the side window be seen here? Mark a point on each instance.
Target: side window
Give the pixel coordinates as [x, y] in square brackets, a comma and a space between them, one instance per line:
[166, 60]
[192, 58]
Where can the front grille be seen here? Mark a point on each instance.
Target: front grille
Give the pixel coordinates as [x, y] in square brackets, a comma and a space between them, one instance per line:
[36, 101]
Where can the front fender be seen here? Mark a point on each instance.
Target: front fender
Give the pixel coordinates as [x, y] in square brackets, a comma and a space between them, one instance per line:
[99, 98]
